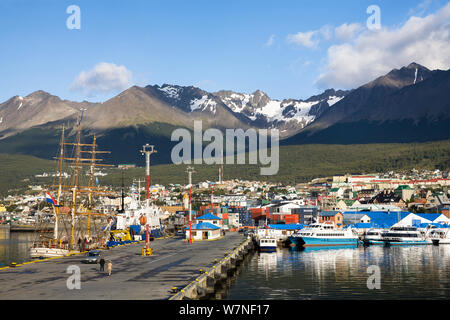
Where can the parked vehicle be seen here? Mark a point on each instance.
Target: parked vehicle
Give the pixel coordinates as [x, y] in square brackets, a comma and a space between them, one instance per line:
[92, 256]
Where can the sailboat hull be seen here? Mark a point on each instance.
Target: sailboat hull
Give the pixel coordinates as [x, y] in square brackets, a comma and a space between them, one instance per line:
[43, 252]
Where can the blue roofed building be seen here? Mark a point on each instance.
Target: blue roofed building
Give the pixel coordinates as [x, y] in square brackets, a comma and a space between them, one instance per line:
[210, 218]
[204, 231]
[376, 219]
[387, 219]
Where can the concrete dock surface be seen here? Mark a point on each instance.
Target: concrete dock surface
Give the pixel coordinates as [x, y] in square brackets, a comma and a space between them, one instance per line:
[174, 263]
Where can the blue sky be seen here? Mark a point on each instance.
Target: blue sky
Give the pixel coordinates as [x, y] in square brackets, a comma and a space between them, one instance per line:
[230, 45]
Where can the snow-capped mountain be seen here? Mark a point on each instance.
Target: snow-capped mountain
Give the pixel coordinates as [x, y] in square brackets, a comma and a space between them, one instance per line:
[287, 115]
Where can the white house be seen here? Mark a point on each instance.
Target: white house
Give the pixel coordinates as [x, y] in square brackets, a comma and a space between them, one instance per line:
[284, 208]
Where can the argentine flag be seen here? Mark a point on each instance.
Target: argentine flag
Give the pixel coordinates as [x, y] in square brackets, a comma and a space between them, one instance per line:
[50, 199]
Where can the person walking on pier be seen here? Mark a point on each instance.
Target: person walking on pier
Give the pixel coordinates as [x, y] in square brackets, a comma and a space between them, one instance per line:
[102, 264]
[109, 267]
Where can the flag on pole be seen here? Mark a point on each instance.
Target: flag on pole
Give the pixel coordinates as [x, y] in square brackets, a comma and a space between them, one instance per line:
[50, 199]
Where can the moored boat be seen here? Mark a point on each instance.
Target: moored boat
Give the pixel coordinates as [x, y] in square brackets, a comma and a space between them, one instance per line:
[324, 234]
[403, 236]
[373, 236]
[267, 244]
[296, 240]
[439, 236]
[47, 252]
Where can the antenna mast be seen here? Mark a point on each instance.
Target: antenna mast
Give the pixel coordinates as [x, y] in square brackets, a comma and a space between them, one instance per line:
[190, 170]
[147, 150]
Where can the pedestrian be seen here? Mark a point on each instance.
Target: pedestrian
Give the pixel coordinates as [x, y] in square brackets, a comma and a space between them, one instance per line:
[102, 264]
[109, 267]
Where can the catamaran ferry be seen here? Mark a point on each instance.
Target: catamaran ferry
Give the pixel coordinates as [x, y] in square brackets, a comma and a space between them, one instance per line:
[403, 236]
[324, 234]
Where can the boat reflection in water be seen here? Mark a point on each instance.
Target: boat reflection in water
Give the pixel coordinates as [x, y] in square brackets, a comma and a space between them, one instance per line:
[324, 248]
[341, 272]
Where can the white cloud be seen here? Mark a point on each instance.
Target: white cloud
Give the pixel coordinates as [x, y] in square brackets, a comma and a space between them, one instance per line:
[326, 32]
[304, 39]
[270, 41]
[346, 32]
[372, 54]
[103, 78]
[421, 8]
[311, 39]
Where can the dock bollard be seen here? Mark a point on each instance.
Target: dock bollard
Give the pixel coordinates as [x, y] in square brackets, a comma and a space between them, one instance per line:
[13, 264]
[147, 251]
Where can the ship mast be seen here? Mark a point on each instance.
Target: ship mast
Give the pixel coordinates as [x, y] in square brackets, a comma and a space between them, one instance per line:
[78, 161]
[58, 199]
[75, 183]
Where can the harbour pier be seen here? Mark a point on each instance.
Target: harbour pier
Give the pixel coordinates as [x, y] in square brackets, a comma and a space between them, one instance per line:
[205, 284]
[171, 272]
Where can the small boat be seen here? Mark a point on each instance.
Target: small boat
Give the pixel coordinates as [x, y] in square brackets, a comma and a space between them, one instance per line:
[439, 236]
[47, 252]
[373, 236]
[267, 244]
[403, 236]
[325, 234]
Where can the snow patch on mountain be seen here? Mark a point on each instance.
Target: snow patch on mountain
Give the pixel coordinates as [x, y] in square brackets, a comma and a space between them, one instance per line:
[170, 92]
[203, 104]
[333, 100]
[237, 101]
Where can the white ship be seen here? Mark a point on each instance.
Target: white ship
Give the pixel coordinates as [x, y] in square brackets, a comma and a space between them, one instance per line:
[324, 234]
[373, 236]
[439, 236]
[403, 236]
[139, 217]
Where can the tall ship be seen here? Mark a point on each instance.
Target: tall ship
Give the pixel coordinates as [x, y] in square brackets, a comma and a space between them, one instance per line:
[76, 225]
[403, 236]
[324, 234]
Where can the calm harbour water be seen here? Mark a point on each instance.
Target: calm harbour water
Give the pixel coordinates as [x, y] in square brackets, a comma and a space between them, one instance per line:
[406, 272]
[14, 246]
